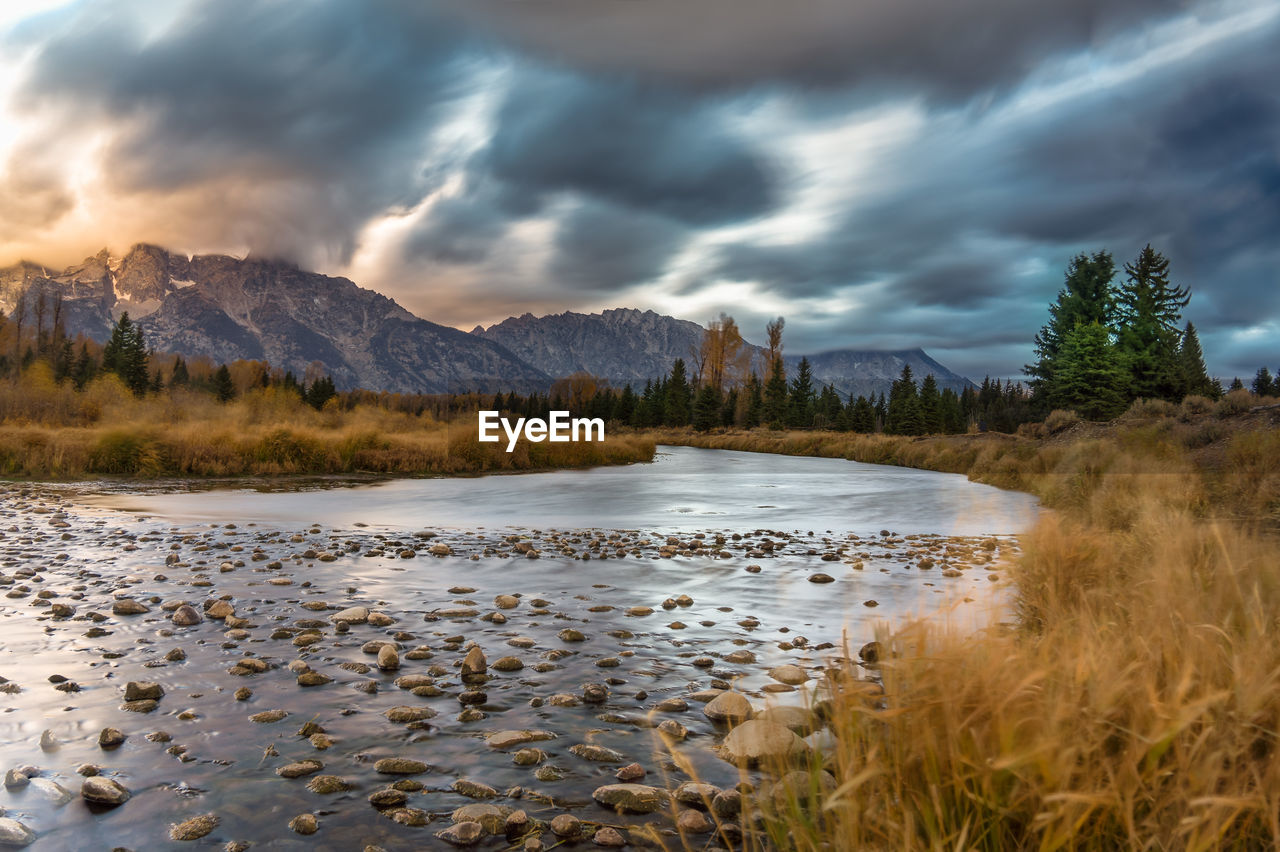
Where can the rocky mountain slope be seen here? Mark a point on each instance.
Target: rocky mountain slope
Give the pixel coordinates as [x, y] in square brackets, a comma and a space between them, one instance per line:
[225, 308]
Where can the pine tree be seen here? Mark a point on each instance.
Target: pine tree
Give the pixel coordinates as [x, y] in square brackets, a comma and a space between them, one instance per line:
[882, 412]
[1236, 384]
[126, 355]
[1087, 297]
[223, 388]
[679, 398]
[904, 417]
[1195, 378]
[953, 419]
[1093, 376]
[930, 406]
[800, 402]
[181, 377]
[775, 396]
[863, 417]
[83, 369]
[1150, 309]
[706, 408]
[1262, 383]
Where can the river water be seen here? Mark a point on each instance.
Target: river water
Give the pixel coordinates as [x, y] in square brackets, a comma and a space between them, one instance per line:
[742, 535]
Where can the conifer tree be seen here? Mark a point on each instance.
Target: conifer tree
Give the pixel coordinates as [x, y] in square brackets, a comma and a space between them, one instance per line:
[1262, 383]
[904, 417]
[800, 403]
[755, 403]
[1093, 376]
[930, 406]
[775, 396]
[863, 417]
[678, 398]
[1195, 378]
[1150, 309]
[1087, 297]
[223, 388]
[126, 355]
[706, 408]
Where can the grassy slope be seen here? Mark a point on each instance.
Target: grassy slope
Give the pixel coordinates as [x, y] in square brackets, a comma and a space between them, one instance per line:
[1137, 704]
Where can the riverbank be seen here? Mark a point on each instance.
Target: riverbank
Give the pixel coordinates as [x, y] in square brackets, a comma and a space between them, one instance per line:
[1135, 703]
[106, 431]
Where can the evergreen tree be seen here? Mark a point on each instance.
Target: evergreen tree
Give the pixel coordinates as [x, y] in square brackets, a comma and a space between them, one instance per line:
[1087, 297]
[930, 406]
[181, 377]
[1150, 309]
[706, 408]
[1236, 384]
[1195, 378]
[322, 390]
[82, 371]
[755, 403]
[882, 412]
[223, 388]
[678, 400]
[904, 416]
[1262, 383]
[863, 417]
[775, 396]
[800, 402]
[1092, 379]
[953, 419]
[126, 355]
[828, 409]
[625, 409]
[729, 407]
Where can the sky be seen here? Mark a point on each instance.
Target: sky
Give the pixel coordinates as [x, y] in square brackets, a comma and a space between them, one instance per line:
[884, 175]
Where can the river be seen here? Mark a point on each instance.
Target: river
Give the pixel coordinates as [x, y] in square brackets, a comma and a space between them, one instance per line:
[742, 535]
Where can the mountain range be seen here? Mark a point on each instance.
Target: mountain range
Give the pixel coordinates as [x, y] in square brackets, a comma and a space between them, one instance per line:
[226, 308]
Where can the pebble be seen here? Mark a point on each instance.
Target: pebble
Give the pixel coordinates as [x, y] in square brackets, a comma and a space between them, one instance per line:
[566, 826]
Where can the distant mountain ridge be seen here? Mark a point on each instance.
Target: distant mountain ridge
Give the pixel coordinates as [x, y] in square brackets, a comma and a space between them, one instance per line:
[626, 345]
[226, 308]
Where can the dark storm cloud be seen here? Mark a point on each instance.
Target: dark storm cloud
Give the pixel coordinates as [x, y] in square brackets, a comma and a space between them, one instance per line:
[990, 206]
[604, 248]
[629, 144]
[943, 47]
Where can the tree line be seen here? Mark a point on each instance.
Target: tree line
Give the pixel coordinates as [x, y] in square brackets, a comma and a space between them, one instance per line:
[36, 333]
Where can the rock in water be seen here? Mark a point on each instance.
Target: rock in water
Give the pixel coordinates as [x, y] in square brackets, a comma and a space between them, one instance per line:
[731, 707]
[388, 659]
[14, 834]
[474, 665]
[194, 828]
[631, 798]
[104, 791]
[186, 616]
[143, 691]
[754, 741]
[354, 615]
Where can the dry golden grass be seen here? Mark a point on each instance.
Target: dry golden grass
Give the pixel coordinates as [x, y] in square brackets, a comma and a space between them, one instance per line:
[49, 431]
[1135, 703]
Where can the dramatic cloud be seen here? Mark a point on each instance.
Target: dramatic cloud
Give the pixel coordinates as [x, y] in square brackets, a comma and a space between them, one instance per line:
[947, 48]
[884, 174]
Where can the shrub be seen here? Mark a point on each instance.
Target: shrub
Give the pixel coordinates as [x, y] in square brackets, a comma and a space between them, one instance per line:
[1195, 405]
[1149, 409]
[1235, 403]
[1060, 420]
[125, 453]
